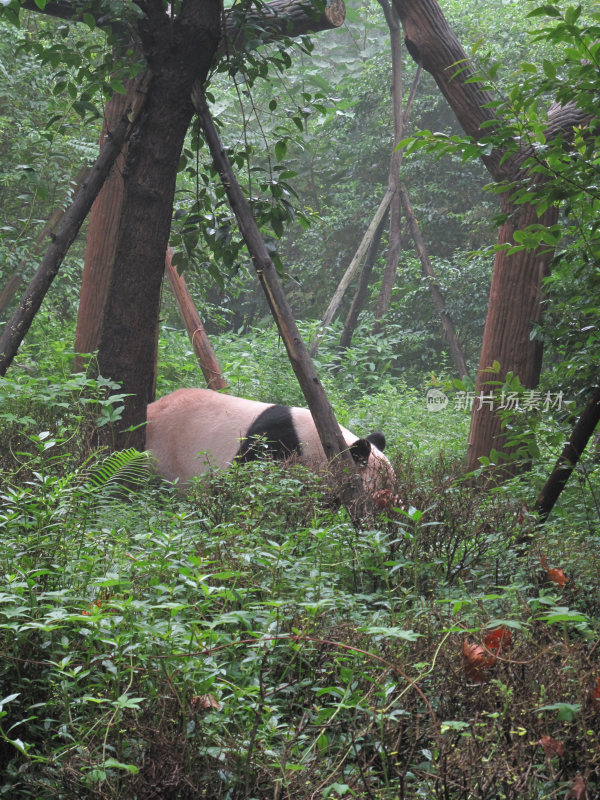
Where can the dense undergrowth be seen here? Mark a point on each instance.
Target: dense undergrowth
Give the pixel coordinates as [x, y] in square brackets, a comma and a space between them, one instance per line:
[245, 641]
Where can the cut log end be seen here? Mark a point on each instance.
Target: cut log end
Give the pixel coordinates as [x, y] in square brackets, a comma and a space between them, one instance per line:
[335, 13]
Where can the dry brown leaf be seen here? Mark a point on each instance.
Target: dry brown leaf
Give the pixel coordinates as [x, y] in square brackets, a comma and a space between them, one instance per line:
[578, 791]
[557, 576]
[552, 747]
[475, 661]
[204, 702]
[596, 693]
[498, 639]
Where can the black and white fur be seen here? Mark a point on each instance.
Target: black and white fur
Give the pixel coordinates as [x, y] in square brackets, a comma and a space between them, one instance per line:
[193, 430]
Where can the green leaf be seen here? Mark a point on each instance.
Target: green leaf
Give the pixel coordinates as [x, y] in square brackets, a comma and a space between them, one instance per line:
[545, 10]
[566, 711]
[280, 149]
[549, 68]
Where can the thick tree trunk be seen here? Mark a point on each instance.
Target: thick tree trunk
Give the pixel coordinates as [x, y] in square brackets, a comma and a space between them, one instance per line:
[363, 285]
[567, 461]
[436, 295]
[514, 307]
[195, 329]
[329, 432]
[178, 51]
[122, 279]
[17, 327]
[281, 16]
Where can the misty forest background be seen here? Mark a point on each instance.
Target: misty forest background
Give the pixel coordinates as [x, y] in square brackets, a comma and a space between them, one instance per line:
[248, 639]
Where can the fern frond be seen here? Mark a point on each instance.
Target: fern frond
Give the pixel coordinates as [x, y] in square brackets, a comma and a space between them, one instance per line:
[123, 467]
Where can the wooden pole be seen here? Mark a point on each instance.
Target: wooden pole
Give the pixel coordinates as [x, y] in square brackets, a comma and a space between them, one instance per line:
[363, 284]
[438, 300]
[193, 324]
[352, 269]
[582, 432]
[329, 432]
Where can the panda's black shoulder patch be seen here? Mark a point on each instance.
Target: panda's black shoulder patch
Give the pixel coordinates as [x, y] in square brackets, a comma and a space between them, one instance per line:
[272, 433]
[378, 439]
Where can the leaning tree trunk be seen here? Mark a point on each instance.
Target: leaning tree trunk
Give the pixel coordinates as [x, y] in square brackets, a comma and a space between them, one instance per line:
[567, 461]
[16, 328]
[195, 329]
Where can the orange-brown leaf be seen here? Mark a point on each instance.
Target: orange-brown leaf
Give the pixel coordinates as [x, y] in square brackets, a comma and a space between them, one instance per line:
[497, 639]
[475, 661]
[552, 747]
[204, 702]
[557, 576]
[578, 790]
[385, 498]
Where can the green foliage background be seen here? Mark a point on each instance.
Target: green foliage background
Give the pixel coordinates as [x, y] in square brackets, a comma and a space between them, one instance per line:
[245, 640]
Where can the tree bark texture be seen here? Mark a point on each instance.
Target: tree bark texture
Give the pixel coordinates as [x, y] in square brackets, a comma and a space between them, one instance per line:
[567, 461]
[360, 297]
[101, 240]
[277, 19]
[515, 305]
[436, 295]
[178, 52]
[17, 327]
[330, 435]
[432, 44]
[272, 20]
[122, 269]
[195, 329]
[280, 17]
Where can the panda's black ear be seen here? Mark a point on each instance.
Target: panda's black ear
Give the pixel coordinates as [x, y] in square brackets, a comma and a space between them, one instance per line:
[360, 450]
[378, 439]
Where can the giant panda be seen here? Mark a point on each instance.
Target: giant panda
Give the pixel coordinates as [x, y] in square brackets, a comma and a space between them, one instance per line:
[191, 431]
